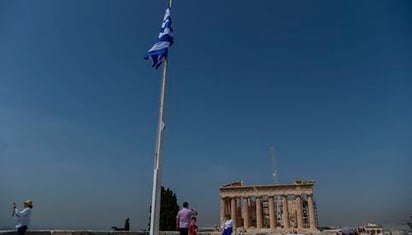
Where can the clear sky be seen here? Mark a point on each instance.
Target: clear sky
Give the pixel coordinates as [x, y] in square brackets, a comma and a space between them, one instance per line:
[327, 83]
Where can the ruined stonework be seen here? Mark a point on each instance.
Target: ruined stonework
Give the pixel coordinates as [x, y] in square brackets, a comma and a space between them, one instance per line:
[270, 208]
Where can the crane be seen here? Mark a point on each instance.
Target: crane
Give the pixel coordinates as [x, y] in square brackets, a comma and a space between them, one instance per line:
[274, 172]
[278, 207]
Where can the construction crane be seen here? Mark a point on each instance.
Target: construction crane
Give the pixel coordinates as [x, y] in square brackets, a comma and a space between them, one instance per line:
[278, 203]
[274, 172]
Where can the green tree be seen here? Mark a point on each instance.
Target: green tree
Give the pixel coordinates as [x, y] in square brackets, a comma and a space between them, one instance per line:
[168, 210]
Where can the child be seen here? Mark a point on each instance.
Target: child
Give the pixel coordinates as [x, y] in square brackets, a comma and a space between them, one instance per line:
[193, 226]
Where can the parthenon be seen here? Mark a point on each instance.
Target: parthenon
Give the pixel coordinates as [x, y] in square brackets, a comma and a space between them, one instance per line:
[275, 208]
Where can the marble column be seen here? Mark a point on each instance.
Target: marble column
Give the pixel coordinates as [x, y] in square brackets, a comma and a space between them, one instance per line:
[222, 209]
[272, 214]
[245, 213]
[259, 221]
[312, 222]
[285, 215]
[299, 212]
[233, 210]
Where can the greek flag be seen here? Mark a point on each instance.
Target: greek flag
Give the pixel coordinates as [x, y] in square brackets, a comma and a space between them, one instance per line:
[158, 53]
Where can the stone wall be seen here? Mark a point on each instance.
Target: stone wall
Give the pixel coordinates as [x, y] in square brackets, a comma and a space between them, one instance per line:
[92, 232]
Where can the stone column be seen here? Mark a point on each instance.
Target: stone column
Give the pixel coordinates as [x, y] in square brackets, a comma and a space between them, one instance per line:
[259, 221]
[222, 209]
[285, 215]
[272, 214]
[312, 222]
[299, 212]
[245, 212]
[233, 210]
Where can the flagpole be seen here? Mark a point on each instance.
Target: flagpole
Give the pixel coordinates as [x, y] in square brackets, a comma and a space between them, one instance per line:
[156, 191]
[155, 209]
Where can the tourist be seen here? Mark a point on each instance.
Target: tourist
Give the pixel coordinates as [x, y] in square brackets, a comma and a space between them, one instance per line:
[228, 225]
[183, 218]
[24, 216]
[193, 227]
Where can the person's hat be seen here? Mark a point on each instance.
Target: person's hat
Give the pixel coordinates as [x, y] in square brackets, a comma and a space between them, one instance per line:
[28, 202]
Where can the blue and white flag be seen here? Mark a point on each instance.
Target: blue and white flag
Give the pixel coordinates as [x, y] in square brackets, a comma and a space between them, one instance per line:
[158, 53]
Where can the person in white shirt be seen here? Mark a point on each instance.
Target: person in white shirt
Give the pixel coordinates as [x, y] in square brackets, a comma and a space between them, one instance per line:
[24, 217]
[228, 226]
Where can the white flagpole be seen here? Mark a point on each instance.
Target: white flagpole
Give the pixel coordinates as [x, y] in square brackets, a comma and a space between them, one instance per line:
[155, 209]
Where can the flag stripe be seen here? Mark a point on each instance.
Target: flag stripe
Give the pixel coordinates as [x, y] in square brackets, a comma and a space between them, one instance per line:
[158, 53]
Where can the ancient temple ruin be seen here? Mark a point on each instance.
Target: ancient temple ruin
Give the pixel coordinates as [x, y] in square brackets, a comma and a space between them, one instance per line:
[278, 207]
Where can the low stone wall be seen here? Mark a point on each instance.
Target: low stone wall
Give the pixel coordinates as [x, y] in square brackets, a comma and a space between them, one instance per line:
[93, 232]
[76, 232]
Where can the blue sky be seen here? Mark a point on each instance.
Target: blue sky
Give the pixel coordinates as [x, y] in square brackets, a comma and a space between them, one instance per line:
[327, 83]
